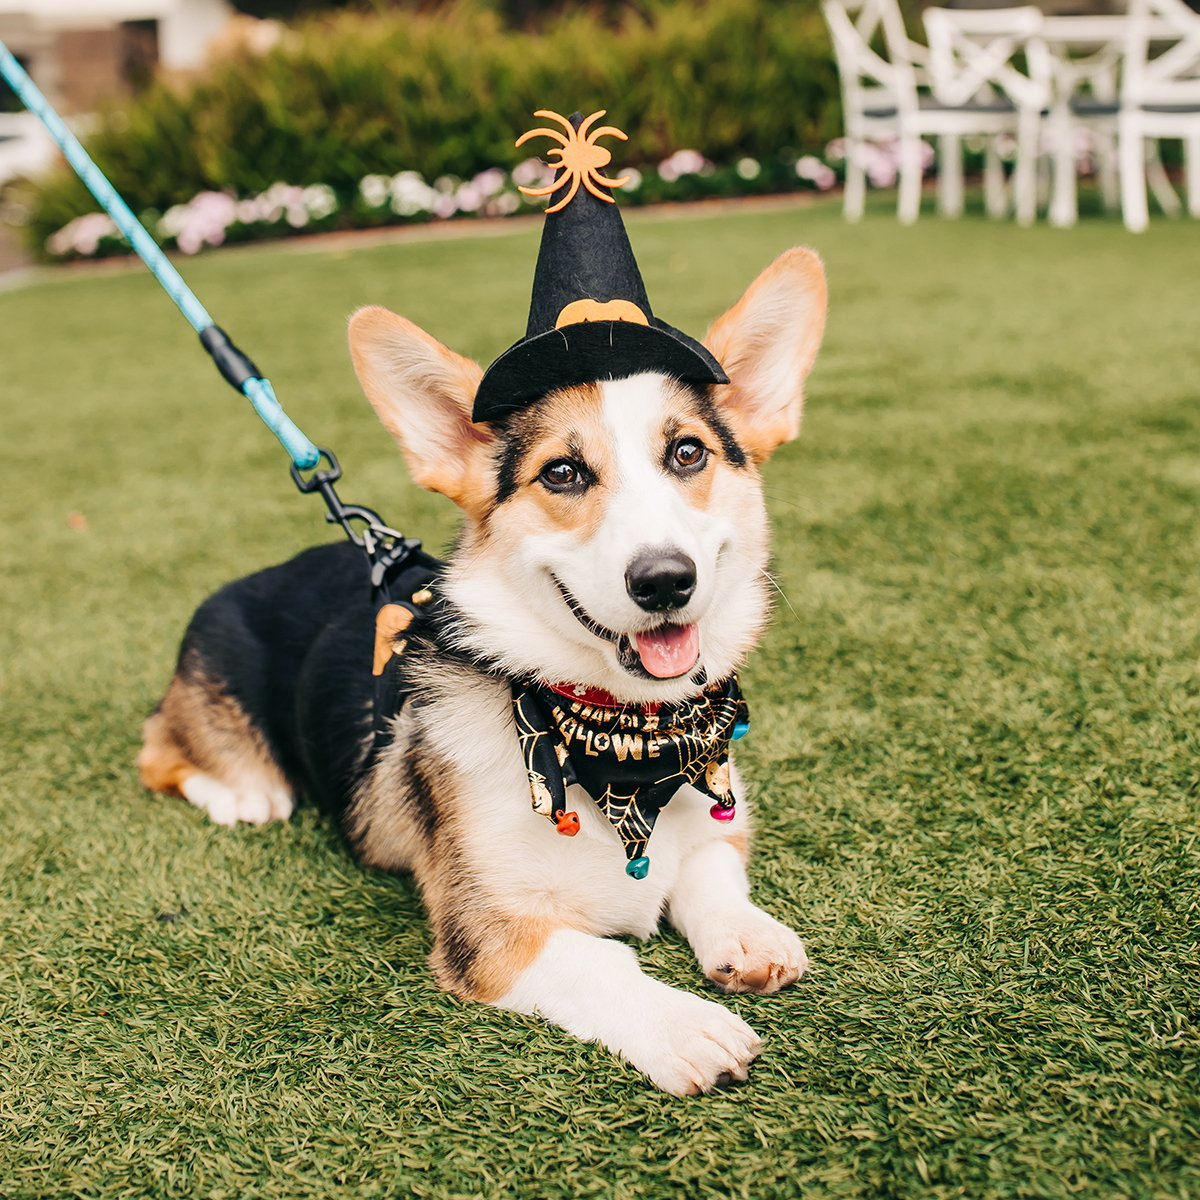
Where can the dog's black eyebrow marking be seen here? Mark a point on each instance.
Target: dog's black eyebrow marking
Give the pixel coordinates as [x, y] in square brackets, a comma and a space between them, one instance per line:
[706, 410]
[708, 414]
[515, 445]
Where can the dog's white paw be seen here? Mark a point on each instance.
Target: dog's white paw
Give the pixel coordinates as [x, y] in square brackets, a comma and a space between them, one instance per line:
[755, 953]
[225, 806]
[688, 1045]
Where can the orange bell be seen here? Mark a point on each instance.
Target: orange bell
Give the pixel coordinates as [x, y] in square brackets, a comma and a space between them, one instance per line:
[567, 824]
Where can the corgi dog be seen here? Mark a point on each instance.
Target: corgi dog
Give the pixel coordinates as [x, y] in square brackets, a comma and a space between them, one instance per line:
[613, 547]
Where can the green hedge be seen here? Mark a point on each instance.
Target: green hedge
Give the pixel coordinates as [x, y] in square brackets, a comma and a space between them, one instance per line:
[348, 95]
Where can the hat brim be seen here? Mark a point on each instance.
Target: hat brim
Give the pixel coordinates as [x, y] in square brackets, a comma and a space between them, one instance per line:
[589, 352]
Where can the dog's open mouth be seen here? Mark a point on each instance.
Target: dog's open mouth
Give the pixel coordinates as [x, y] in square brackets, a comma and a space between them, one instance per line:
[665, 652]
[668, 651]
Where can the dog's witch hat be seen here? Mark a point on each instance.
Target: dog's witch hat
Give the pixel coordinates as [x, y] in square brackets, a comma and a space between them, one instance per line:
[589, 318]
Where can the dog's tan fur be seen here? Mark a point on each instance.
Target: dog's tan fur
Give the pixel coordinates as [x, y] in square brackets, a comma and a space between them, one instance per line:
[199, 729]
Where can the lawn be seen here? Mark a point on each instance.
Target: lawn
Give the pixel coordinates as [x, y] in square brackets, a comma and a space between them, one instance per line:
[975, 745]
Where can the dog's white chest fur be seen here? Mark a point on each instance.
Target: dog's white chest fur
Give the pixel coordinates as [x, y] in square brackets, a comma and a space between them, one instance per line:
[520, 856]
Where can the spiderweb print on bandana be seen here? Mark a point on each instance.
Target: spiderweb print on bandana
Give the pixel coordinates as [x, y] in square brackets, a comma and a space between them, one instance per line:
[631, 760]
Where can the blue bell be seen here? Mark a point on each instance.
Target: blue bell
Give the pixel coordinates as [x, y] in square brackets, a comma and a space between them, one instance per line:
[638, 868]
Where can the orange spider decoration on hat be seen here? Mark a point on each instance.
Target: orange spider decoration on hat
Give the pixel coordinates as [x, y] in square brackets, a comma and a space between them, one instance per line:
[578, 155]
[589, 316]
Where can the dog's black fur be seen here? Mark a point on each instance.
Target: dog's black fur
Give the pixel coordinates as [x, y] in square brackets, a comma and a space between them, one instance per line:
[292, 646]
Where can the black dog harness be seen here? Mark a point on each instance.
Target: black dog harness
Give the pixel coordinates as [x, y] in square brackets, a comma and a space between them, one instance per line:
[400, 590]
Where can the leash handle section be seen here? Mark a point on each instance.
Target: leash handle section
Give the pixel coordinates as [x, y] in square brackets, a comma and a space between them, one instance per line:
[239, 371]
[235, 366]
[108, 197]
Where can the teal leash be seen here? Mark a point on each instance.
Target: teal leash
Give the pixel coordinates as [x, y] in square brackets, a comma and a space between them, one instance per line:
[238, 370]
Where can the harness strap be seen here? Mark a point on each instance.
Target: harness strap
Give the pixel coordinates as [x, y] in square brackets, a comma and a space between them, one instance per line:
[401, 593]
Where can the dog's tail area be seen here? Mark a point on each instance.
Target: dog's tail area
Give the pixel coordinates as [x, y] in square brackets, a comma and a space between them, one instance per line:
[200, 744]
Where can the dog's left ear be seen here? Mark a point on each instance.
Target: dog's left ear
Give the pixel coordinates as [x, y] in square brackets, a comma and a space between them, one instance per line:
[767, 343]
[423, 394]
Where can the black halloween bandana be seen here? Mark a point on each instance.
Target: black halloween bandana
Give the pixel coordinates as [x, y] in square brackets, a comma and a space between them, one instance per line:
[630, 759]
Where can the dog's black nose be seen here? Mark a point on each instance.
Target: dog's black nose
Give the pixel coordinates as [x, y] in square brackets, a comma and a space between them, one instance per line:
[659, 580]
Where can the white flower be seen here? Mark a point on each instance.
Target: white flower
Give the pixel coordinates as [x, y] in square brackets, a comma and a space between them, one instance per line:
[172, 221]
[881, 161]
[374, 189]
[410, 194]
[634, 178]
[748, 168]
[320, 200]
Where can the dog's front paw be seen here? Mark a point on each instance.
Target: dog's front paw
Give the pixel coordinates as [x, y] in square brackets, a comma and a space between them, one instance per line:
[755, 954]
[691, 1045]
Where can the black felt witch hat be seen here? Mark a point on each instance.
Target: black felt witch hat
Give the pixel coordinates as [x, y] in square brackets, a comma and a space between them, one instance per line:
[589, 318]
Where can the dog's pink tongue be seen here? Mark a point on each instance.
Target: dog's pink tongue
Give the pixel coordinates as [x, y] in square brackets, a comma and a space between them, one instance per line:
[669, 651]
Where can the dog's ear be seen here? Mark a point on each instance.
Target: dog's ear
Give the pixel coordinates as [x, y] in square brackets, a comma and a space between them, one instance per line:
[423, 394]
[767, 342]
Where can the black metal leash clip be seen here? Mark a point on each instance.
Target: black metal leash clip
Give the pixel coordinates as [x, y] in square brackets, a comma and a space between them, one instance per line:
[385, 547]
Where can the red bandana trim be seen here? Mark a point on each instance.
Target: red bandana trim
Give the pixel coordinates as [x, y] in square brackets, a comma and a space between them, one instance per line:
[597, 697]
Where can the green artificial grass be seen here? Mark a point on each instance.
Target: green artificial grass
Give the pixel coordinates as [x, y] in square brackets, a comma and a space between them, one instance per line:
[974, 744]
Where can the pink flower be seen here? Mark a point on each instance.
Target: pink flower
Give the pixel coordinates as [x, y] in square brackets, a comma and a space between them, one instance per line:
[681, 163]
[202, 221]
[532, 173]
[819, 174]
[82, 235]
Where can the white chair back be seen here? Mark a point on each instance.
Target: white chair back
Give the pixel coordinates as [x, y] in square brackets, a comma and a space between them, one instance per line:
[1171, 77]
[857, 28]
[974, 53]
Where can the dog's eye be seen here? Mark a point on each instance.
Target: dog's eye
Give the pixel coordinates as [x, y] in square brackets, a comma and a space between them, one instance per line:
[688, 454]
[564, 475]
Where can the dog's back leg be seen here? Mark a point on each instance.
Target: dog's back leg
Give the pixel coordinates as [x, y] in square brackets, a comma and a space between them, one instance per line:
[200, 744]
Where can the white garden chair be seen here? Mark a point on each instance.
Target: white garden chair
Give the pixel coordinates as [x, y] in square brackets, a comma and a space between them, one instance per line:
[1086, 55]
[1160, 98]
[990, 72]
[880, 99]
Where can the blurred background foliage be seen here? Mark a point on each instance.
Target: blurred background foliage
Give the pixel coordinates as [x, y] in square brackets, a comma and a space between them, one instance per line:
[444, 88]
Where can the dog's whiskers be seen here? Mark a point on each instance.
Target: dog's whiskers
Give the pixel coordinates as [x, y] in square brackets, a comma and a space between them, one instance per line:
[782, 594]
[788, 500]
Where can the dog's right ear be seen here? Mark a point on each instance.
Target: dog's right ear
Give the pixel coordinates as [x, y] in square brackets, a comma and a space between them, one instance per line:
[423, 394]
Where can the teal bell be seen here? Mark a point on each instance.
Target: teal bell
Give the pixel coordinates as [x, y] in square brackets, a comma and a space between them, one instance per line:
[740, 729]
[638, 868]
